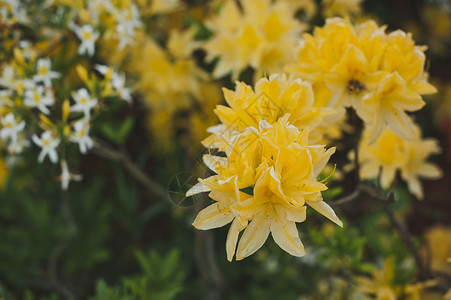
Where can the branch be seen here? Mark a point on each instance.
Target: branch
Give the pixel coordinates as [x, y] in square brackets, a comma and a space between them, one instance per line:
[102, 150]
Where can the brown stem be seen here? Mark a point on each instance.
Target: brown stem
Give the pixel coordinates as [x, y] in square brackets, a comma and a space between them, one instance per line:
[101, 149]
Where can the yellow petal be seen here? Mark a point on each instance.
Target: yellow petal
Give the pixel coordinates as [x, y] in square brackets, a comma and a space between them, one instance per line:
[254, 236]
[211, 217]
[232, 237]
[198, 188]
[286, 235]
[324, 209]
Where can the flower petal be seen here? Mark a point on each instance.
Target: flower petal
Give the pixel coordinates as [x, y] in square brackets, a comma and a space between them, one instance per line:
[211, 217]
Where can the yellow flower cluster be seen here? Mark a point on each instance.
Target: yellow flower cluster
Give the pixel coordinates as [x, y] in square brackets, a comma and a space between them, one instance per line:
[390, 153]
[380, 75]
[383, 287]
[270, 170]
[262, 35]
[171, 82]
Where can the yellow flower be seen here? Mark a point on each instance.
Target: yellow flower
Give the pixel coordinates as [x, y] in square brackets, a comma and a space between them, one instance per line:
[3, 173]
[341, 7]
[390, 153]
[439, 240]
[272, 99]
[262, 35]
[278, 168]
[380, 75]
[382, 287]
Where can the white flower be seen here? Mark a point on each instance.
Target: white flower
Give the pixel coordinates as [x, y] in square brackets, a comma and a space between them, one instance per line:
[81, 136]
[38, 98]
[128, 21]
[88, 38]
[11, 128]
[83, 102]
[118, 83]
[19, 145]
[48, 145]
[45, 74]
[8, 78]
[66, 176]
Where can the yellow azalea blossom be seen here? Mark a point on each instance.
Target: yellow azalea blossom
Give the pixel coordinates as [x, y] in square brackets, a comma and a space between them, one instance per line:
[380, 75]
[262, 35]
[382, 287]
[390, 153]
[279, 166]
[272, 98]
[439, 250]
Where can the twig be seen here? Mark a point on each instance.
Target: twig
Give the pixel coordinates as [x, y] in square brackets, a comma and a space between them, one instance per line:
[60, 247]
[206, 259]
[348, 198]
[407, 239]
[105, 151]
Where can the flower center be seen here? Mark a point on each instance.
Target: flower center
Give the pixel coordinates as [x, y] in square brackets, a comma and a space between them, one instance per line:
[86, 35]
[43, 70]
[83, 100]
[355, 87]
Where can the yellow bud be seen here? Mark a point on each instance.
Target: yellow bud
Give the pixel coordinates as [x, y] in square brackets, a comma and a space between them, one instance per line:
[45, 120]
[66, 110]
[82, 73]
[66, 130]
[18, 56]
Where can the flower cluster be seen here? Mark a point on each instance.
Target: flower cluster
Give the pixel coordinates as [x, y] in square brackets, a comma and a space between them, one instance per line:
[29, 104]
[380, 75]
[263, 35]
[383, 286]
[390, 153]
[270, 172]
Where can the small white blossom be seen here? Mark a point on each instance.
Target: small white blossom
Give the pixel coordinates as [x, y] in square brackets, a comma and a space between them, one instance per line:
[128, 21]
[103, 69]
[38, 98]
[44, 72]
[81, 136]
[11, 128]
[48, 144]
[88, 37]
[118, 83]
[66, 176]
[8, 79]
[83, 102]
[19, 145]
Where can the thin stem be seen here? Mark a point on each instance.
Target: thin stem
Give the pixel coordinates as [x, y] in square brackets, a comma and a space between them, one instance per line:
[101, 149]
[59, 249]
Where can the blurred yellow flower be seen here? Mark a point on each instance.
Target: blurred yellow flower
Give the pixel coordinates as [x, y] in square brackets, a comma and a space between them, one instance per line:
[380, 75]
[262, 35]
[3, 172]
[390, 153]
[341, 8]
[382, 285]
[439, 240]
